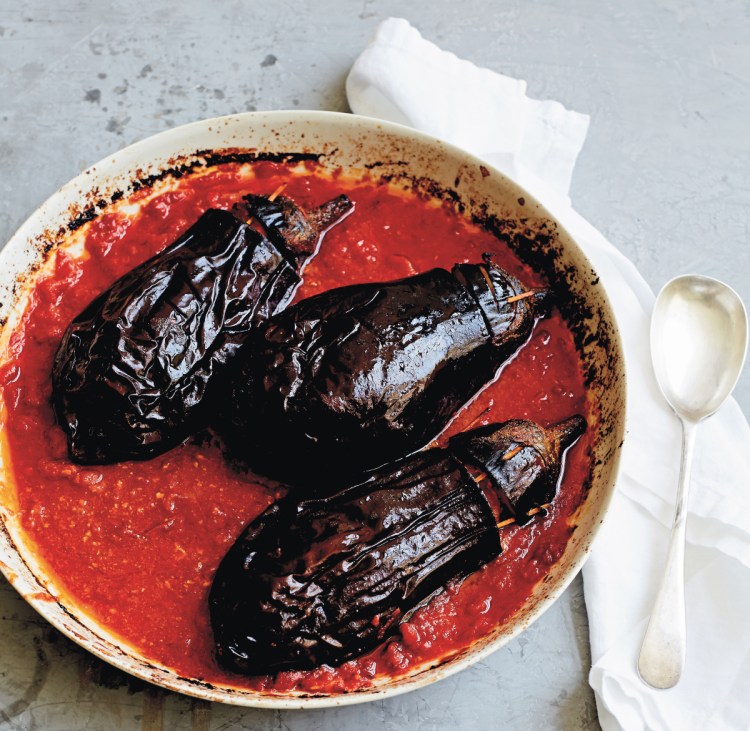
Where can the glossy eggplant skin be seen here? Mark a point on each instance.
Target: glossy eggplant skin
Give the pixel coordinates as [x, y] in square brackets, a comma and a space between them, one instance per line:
[326, 580]
[357, 376]
[323, 581]
[132, 371]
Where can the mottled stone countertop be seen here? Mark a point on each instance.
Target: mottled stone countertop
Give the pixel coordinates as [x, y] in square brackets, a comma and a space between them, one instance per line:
[664, 175]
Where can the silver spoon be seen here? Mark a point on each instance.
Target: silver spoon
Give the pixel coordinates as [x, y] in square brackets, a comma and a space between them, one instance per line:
[698, 346]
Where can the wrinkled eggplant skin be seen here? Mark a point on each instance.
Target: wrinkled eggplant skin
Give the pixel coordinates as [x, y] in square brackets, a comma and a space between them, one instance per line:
[323, 581]
[132, 370]
[357, 376]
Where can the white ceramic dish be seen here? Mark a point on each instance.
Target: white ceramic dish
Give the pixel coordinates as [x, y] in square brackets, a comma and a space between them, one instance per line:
[354, 143]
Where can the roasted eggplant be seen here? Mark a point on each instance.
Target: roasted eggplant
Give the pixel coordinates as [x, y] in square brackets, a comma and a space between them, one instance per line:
[357, 376]
[132, 370]
[323, 581]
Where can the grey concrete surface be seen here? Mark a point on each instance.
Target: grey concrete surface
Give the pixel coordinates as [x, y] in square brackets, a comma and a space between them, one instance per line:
[664, 174]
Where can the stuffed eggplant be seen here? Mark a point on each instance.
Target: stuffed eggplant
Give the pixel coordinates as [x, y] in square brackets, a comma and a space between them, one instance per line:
[357, 376]
[131, 372]
[323, 581]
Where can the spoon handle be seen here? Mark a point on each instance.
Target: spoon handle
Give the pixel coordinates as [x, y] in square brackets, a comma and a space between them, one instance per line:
[663, 650]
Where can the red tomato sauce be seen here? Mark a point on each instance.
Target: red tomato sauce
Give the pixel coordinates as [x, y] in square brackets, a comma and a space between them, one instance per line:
[136, 545]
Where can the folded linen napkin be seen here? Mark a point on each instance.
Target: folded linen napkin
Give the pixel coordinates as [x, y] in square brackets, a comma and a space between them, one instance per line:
[403, 78]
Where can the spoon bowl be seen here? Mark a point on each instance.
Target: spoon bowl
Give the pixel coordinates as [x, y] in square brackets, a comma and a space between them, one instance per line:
[698, 346]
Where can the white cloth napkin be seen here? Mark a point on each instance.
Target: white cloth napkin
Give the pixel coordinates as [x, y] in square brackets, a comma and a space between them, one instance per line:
[403, 78]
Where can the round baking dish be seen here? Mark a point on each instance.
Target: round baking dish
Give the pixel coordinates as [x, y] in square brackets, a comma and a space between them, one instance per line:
[356, 144]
